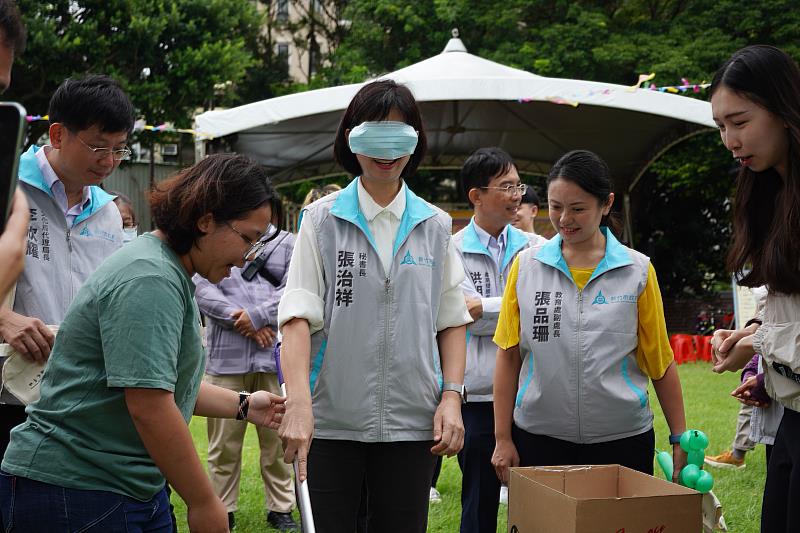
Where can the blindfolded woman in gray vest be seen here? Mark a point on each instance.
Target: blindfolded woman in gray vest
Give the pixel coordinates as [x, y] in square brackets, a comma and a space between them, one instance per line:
[373, 323]
[581, 333]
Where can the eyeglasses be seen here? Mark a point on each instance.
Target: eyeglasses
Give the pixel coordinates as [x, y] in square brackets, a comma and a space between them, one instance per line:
[255, 247]
[511, 189]
[101, 153]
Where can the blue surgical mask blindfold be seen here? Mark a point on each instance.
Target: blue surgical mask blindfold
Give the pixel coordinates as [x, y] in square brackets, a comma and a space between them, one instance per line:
[383, 140]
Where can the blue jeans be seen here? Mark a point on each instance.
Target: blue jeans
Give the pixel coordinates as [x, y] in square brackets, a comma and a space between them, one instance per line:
[32, 506]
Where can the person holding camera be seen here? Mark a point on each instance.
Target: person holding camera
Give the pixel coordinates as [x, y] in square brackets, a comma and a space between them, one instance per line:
[241, 317]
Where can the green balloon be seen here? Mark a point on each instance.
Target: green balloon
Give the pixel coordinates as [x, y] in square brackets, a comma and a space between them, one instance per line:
[664, 460]
[689, 476]
[696, 457]
[704, 482]
[699, 441]
[685, 441]
[693, 439]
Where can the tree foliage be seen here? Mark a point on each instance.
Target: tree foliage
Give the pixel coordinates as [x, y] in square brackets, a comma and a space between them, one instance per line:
[682, 206]
[169, 54]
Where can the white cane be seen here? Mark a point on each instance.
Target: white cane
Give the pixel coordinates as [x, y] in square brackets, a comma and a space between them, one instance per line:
[301, 487]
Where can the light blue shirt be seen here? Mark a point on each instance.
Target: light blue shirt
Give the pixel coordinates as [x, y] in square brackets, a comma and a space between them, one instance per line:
[496, 247]
[56, 186]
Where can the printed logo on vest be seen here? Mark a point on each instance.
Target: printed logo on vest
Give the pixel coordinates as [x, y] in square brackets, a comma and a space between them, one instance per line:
[601, 299]
[105, 235]
[407, 259]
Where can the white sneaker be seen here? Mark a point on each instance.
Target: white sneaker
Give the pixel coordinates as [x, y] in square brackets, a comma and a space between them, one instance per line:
[504, 494]
[435, 497]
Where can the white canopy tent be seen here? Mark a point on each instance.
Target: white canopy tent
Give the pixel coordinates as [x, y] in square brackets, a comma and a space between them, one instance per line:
[468, 102]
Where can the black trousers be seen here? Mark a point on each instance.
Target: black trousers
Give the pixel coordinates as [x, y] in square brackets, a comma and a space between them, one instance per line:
[10, 417]
[398, 476]
[539, 450]
[480, 487]
[780, 511]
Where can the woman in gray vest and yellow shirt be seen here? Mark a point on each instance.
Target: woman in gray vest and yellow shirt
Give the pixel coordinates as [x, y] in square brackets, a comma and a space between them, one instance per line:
[581, 333]
[373, 323]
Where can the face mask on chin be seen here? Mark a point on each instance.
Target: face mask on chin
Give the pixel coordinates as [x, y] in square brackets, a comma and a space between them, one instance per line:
[128, 234]
[383, 140]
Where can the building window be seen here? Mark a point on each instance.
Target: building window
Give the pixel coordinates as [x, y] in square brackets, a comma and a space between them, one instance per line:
[283, 54]
[282, 13]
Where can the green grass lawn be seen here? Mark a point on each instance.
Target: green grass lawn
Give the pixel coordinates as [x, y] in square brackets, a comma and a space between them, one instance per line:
[708, 407]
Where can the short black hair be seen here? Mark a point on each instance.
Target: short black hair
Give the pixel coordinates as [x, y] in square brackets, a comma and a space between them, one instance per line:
[229, 186]
[483, 166]
[530, 197]
[373, 102]
[94, 100]
[12, 31]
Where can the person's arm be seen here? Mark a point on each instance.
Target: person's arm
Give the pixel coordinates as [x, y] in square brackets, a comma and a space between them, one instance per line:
[508, 364]
[213, 302]
[670, 397]
[168, 441]
[484, 311]
[655, 359]
[300, 313]
[263, 408]
[506, 377]
[266, 313]
[12, 243]
[732, 349]
[27, 335]
[297, 428]
[448, 427]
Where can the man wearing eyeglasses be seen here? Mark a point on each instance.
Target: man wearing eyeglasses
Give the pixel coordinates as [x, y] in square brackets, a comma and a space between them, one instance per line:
[74, 224]
[242, 317]
[487, 246]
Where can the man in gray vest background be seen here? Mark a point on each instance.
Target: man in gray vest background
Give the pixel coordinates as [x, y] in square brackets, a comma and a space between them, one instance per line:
[487, 246]
[74, 224]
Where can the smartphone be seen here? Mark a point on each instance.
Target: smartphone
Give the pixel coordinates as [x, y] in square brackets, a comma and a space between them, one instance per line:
[13, 127]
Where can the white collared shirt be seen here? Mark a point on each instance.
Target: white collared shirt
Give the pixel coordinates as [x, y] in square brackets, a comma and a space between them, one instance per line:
[305, 286]
[56, 186]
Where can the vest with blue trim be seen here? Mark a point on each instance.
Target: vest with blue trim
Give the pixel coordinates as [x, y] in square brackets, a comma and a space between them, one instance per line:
[488, 279]
[579, 379]
[59, 258]
[375, 368]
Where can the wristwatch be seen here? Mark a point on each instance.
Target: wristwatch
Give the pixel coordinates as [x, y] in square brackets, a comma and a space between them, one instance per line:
[456, 387]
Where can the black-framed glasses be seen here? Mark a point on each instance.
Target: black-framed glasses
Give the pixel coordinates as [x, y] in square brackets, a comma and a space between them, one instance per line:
[120, 154]
[510, 190]
[256, 247]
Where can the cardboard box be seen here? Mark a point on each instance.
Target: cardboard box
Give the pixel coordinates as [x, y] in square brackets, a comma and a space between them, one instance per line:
[599, 499]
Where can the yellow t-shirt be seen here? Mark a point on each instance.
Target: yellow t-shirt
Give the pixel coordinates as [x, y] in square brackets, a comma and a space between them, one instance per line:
[653, 353]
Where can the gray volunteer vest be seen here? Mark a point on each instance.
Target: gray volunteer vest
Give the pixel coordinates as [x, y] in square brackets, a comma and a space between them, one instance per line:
[579, 379]
[375, 369]
[58, 258]
[488, 280]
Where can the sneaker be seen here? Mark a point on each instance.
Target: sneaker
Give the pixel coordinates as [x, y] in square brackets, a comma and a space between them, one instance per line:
[504, 495]
[435, 497]
[282, 521]
[725, 460]
[231, 522]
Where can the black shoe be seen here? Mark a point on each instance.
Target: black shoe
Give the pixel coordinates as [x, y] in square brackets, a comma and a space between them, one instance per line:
[231, 521]
[282, 521]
